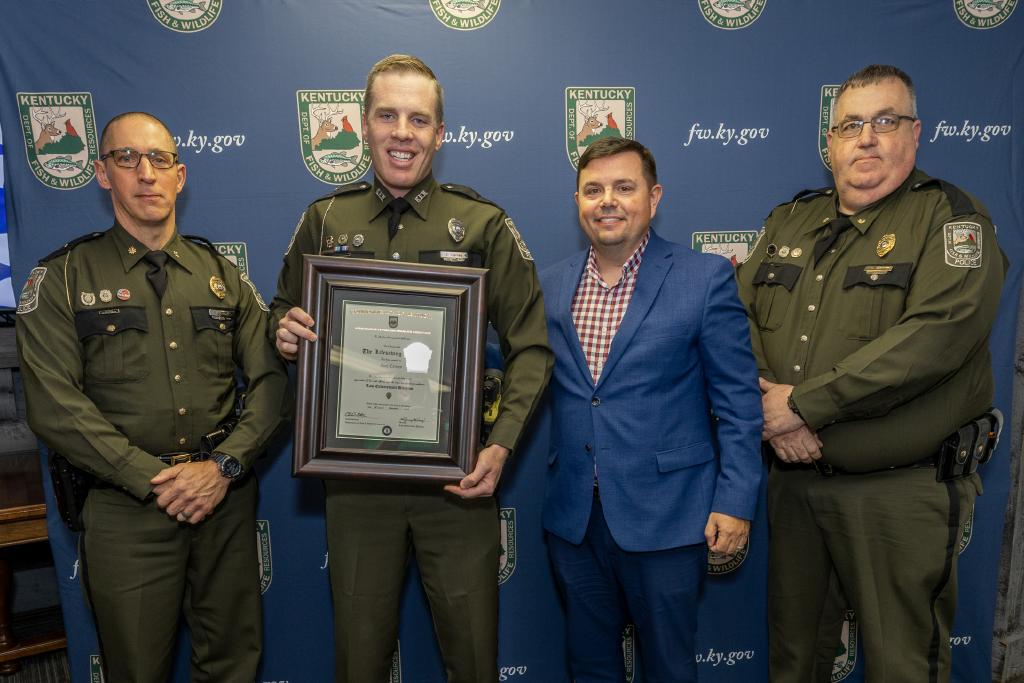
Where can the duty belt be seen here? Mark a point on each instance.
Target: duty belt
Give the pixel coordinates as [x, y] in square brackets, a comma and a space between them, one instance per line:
[179, 458]
[958, 456]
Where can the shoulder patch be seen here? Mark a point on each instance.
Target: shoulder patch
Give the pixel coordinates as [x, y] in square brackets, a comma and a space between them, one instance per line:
[962, 240]
[361, 186]
[69, 246]
[29, 298]
[523, 250]
[959, 203]
[256, 293]
[466, 192]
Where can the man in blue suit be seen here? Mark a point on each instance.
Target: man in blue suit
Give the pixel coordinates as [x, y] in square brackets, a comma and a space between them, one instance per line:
[656, 424]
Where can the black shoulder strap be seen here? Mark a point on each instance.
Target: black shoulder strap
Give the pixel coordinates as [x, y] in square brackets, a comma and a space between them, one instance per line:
[959, 203]
[802, 194]
[69, 246]
[467, 192]
[345, 189]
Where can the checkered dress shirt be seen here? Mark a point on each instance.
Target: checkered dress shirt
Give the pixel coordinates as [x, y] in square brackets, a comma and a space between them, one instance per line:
[598, 308]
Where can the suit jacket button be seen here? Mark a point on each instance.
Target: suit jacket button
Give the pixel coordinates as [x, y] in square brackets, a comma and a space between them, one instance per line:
[595, 401]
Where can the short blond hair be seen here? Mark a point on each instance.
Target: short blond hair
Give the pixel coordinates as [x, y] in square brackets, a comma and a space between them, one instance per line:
[404, 64]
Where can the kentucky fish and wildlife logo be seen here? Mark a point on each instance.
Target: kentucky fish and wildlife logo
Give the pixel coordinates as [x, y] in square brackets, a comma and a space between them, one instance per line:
[826, 113]
[507, 544]
[95, 669]
[237, 253]
[724, 564]
[629, 652]
[330, 134]
[464, 15]
[186, 16]
[966, 531]
[734, 245]
[983, 13]
[595, 113]
[263, 554]
[846, 651]
[395, 674]
[60, 137]
[731, 14]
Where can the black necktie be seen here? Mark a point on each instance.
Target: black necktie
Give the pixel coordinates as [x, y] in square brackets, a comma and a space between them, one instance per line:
[837, 228]
[157, 276]
[397, 207]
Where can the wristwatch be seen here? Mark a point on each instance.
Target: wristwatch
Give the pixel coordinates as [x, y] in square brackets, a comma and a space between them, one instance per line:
[229, 467]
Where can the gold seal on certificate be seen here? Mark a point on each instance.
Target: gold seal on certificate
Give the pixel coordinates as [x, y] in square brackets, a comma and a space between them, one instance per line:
[392, 388]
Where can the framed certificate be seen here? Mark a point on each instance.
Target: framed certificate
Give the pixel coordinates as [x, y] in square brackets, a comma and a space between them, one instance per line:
[392, 388]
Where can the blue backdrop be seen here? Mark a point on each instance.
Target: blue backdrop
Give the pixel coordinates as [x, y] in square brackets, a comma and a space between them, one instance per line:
[731, 96]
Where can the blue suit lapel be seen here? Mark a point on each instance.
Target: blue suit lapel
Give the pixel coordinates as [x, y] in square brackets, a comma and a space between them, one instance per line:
[563, 312]
[653, 269]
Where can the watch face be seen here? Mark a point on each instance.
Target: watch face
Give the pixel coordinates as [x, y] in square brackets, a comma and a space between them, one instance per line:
[229, 467]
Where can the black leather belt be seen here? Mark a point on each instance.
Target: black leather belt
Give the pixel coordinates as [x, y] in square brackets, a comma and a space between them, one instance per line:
[827, 470]
[179, 458]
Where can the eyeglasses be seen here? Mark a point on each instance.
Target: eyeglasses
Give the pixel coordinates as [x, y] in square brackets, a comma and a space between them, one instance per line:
[127, 157]
[886, 123]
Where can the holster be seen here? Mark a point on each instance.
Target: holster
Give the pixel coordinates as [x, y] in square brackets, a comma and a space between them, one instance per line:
[969, 446]
[491, 398]
[70, 488]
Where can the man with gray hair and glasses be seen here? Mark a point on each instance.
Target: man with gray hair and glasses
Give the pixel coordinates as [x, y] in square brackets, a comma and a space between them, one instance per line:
[870, 307]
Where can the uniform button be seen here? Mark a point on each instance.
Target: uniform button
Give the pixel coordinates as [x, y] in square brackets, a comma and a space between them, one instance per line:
[803, 337]
[831, 251]
[182, 441]
[111, 328]
[222, 326]
[169, 311]
[182, 411]
[819, 277]
[396, 256]
[796, 368]
[771, 276]
[811, 307]
[401, 227]
[177, 378]
[595, 401]
[173, 345]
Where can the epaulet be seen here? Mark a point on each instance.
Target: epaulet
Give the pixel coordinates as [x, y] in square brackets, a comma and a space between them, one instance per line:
[69, 246]
[803, 194]
[466, 192]
[203, 242]
[959, 203]
[362, 185]
[807, 194]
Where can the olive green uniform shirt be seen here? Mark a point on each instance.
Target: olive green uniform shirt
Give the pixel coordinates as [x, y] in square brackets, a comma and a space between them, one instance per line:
[449, 225]
[114, 376]
[885, 338]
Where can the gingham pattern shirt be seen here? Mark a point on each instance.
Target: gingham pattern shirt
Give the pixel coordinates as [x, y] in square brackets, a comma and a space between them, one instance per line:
[598, 308]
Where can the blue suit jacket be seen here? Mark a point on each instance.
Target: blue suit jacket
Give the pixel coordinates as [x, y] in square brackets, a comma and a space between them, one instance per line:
[663, 462]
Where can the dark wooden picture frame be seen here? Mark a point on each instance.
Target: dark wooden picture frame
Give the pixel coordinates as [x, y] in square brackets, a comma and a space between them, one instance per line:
[331, 283]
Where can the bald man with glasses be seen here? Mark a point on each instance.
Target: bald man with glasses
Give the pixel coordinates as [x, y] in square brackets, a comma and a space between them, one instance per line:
[130, 340]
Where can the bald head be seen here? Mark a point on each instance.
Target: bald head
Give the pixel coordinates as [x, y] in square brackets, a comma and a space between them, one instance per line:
[106, 134]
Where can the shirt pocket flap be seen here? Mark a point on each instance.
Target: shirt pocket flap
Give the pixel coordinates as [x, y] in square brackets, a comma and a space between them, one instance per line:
[219, 319]
[110, 321]
[785, 274]
[891, 274]
[684, 456]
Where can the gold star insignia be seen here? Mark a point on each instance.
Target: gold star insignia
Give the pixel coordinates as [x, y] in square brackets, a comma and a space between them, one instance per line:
[132, 250]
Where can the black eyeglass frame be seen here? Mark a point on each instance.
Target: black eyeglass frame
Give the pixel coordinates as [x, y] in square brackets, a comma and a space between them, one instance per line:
[152, 156]
[874, 125]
